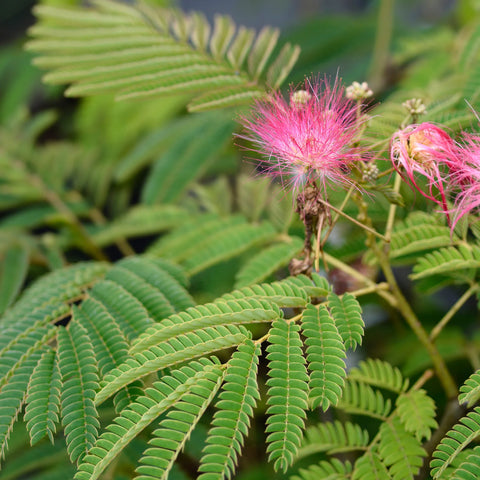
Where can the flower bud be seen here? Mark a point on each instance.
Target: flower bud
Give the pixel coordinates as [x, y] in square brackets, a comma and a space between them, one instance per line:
[415, 106]
[358, 91]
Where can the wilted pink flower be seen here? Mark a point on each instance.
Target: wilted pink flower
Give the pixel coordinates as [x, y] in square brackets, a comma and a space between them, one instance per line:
[308, 138]
[424, 149]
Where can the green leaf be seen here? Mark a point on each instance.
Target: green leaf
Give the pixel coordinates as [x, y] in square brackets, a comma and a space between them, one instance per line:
[13, 272]
[43, 398]
[158, 398]
[470, 390]
[400, 452]
[379, 374]
[80, 382]
[141, 51]
[287, 393]
[360, 399]
[232, 419]
[175, 429]
[12, 396]
[455, 262]
[285, 293]
[347, 313]
[174, 351]
[417, 413]
[186, 160]
[370, 466]
[333, 437]
[325, 470]
[228, 244]
[232, 312]
[325, 356]
[458, 438]
[267, 261]
[470, 468]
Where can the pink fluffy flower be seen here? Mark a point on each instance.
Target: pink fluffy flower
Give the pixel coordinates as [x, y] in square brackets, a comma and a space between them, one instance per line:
[309, 137]
[427, 150]
[465, 177]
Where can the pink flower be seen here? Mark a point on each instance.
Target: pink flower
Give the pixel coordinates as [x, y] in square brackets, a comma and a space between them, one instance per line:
[465, 177]
[427, 150]
[308, 138]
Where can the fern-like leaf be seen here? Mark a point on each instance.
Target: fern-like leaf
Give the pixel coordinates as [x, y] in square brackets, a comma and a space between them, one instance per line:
[379, 374]
[43, 398]
[370, 467]
[175, 350]
[80, 382]
[325, 356]
[470, 390]
[455, 262]
[284, 294]
[129, 313]
[455, 441]
[109, 345]
[12, 274]
[361, 399]
[155, 302]
[325, 470]
[228, 244]
[12, 396]
[416, 411]
[59, 286]
[139, 221]
[400, 452]
[182, 243]
[140, 51]
[267, 261]
[347, 313]
[287, 393]
[161, 279]
[333, 437]
[470, 468]
[174, 431]
[418, 233]
[232, 420]
[137, 416]
[232, 312]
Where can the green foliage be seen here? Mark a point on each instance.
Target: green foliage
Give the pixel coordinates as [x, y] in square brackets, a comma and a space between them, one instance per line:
[400, 452]
[458, 263]
[416, 411]
[458, 438]
[333, 437]
[76, 360]
[140, 51]
[234, 412]
[114, 351]
[268, 261]
[43, 398]
[470, 390]
[288, 393]
[139, 414]
[325, 356]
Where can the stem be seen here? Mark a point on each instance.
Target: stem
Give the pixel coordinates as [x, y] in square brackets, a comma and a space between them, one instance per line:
[71, 218]
[392, 211]
[353, 220]
[377, 288]
[337, 216]
[382, 44]
[412, 320]
[98, 218]
[404, 307]
[455, 308]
